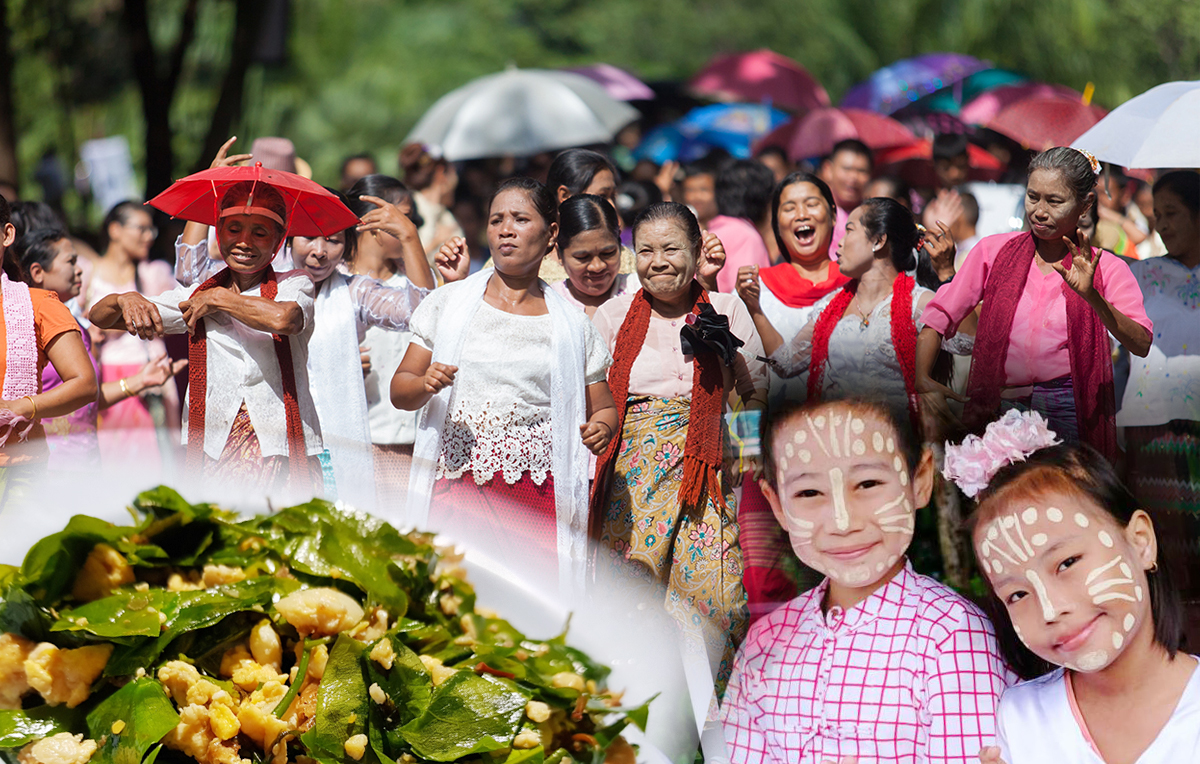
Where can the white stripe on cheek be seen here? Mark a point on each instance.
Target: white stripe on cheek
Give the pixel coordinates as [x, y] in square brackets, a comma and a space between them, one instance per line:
[841, 517]
[1048, 611]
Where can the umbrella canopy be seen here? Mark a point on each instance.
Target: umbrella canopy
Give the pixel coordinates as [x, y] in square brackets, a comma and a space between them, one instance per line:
[618, 83]
[914, 163]
[760, 76]
[950, 99]
[312, 210]
[1041, 123]
[986, 106]
[521, 112]
[733, 127]
[816, 133]
[893, 87]
[1155, 129]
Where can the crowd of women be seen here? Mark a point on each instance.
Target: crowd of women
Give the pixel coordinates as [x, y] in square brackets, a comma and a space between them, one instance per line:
[572, 400]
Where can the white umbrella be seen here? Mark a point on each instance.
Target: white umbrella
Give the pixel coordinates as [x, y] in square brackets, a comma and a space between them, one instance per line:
[1156, 129]
[521, 112]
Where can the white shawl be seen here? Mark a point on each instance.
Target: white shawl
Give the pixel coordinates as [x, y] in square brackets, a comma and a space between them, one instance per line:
[568, 410]
[335, 372]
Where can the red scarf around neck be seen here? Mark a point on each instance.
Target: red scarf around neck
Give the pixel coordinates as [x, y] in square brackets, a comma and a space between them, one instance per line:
[702, 451]
[795, 291]
[904, 339]
[298, 472]
[1087, 344]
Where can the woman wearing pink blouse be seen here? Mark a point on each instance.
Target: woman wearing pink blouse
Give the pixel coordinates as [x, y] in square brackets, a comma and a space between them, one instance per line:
[1049, 303]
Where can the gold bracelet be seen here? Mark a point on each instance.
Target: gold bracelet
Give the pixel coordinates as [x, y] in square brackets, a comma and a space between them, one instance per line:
[125, 388]
[33, 403]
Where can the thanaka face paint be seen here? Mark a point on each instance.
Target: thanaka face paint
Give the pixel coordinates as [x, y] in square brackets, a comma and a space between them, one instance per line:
[845, 494]
[1069, 578]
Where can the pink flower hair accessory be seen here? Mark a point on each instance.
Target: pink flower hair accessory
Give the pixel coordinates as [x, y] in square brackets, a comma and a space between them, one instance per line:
[1012, 438]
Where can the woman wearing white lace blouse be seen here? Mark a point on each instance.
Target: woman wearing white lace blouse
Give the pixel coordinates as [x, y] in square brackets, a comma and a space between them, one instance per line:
[853, 344]
[512, 380]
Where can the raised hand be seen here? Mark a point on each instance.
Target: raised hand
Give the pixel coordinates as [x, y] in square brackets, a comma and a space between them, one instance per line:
[439, 376]
[665, 179]
[937, 419]
[159, 370]
[388, 218]
[199, 305]
[453, 260]
[749, 288]
[222, 160]
[712, 260]
[1084, 261]
[596, 436]
[946, 206]
[941, 248]
[990, 755]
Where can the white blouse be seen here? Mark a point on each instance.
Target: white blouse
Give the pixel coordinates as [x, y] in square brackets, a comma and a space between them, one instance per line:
[389, 425]
[242, 366]
[499, 413]
[1037, 725]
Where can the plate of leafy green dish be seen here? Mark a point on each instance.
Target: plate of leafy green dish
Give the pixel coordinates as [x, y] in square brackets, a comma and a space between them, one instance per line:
[310, 635]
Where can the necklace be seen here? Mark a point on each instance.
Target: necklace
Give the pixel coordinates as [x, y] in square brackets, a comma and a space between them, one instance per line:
[863, 316]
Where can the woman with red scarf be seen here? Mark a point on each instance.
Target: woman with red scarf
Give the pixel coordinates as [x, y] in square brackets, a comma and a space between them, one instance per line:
[1050, 301]
[250, 415]
[662, 500]
[861, 339]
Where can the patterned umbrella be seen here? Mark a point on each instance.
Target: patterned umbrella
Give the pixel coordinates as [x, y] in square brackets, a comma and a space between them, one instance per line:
[914, 163]
[733, 127]
[816, 133]
[984, 109]
[891, 88]
[950, 99]
[757, 77]
[1041, 123]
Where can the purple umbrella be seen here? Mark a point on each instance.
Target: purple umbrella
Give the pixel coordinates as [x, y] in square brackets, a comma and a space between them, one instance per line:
[618, 83]
[891, 88]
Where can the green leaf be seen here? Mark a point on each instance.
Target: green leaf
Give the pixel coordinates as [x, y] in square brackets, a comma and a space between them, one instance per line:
[342, 710]
[128, 613]
[407, 684]
[21, 614]
[535, 755]
[468, 714]
[18, 728]
[148, 715]
[51, 564]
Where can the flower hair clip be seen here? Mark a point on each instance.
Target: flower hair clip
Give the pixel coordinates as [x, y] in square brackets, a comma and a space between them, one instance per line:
[973, 463]
[1092, 160]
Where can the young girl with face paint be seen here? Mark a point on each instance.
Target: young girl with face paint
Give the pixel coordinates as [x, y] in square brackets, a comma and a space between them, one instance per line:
[1081, 577]
[877, 663]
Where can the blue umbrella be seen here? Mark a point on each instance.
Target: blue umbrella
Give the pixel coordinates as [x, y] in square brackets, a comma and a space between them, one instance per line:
[733, 127]
[893, 87]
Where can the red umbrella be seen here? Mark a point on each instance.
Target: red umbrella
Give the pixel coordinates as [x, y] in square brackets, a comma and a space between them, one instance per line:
[986, 106]
[816, 133]
[757, 76]
[914, 163]
[312, 210]
[1040, 123]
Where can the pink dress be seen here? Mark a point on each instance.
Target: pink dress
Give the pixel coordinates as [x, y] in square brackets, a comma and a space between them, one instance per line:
[142, 430]
[1037, 348]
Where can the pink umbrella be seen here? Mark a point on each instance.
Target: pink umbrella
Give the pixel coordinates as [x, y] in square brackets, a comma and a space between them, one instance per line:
[1040, 123]
[816, 133]
[618, 83]
[986, 106]
[761, 75]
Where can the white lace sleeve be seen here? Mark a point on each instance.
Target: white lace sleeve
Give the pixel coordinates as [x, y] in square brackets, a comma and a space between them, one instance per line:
[377, 304]
[792, 359]
[960, 344]
[192, 263]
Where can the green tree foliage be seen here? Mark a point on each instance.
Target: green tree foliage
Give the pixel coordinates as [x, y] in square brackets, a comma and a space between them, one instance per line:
[361, 72]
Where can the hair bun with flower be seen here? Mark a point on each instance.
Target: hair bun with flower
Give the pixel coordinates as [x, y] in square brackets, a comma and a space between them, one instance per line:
[1092, 160]
[1012, 438]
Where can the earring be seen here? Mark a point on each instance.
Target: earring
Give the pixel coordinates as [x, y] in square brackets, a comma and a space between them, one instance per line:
[1153, 567]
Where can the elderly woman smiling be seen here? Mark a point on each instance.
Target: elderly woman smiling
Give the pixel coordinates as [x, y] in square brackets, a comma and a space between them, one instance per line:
[668, 508]
[250, 416]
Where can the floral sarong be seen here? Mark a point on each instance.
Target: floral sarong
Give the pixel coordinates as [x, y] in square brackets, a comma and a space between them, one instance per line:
[695, 555]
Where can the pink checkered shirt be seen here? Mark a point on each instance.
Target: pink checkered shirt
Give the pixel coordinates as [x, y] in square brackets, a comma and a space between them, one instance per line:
[911, 674]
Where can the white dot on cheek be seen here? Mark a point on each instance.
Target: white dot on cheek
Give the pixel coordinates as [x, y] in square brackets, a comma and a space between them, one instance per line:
[897, 464]
[859, 447]
[805, 456]
[1126, 571]
[1081, 520]
[997, 566]
[1129, 622]
[857, 426]
[1106, 539]
[800, 437]
[1029, 516]
[891, 445]
[1118, 640]
[1093, 660]
[819, 421]
[903, 477]
[789, 450]
[1137, 592]
[1054, 515]
[877, 441]
[1039, 539]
